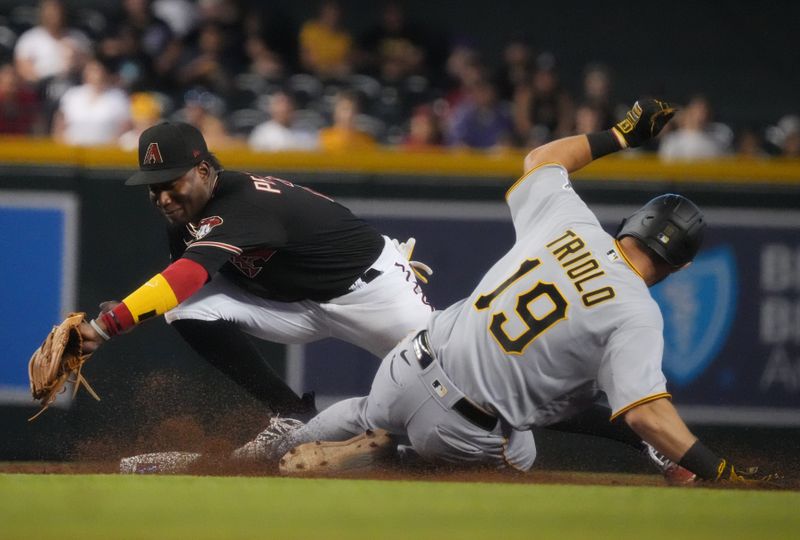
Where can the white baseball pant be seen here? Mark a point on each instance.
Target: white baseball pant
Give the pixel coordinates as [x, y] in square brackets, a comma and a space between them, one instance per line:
[373, 316]
[407, 399]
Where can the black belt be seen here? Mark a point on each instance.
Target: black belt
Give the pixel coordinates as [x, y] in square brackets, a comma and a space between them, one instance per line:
[369, 275]
[463, 406]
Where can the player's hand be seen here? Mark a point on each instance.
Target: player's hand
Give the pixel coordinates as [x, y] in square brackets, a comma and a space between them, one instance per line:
[91, 338]
[108, 305]
[643, 121]
[422, 271]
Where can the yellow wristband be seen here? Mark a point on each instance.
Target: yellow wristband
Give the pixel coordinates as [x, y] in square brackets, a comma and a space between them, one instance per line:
[151, 299]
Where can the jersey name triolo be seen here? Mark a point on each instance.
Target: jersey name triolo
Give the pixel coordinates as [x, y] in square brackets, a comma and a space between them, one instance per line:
[573, 255]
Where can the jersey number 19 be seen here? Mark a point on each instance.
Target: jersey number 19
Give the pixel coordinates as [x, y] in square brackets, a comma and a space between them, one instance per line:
[535, 325]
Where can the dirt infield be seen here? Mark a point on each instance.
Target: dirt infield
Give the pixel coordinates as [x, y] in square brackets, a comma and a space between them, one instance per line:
[536, 477]
[218, 467]
[576, 460]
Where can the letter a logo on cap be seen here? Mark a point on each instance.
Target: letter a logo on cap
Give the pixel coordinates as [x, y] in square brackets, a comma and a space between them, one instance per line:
[153, 155]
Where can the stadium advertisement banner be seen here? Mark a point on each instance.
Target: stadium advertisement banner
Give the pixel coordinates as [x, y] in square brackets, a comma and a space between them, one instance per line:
[732, 319]
[39, 246]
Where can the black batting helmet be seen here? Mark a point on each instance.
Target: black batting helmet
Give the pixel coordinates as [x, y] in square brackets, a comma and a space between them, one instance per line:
[670, 225]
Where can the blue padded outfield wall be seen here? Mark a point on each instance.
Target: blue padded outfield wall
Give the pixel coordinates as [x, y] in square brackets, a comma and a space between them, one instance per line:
[37, 277]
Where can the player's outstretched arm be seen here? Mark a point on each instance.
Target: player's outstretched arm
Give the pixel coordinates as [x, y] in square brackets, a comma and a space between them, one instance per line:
[643, 122]
[658, 423]
[161, 293]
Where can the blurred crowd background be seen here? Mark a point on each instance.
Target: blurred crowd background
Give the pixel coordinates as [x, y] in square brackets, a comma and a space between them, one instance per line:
[272, 77]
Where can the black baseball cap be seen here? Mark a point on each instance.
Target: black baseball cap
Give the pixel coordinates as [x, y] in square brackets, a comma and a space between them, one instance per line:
[167, 151]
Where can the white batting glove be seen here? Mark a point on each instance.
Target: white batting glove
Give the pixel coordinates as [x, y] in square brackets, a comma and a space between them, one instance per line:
[422, 271]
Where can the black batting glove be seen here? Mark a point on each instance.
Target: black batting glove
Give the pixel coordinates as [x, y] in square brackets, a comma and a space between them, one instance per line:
[643, 121]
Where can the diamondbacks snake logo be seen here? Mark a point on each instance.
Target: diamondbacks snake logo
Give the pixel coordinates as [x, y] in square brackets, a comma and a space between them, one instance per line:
[205, 226]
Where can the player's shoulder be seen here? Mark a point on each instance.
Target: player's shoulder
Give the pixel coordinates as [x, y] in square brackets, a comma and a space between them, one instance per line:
[235, 178]
[544, 174]
[240, 181]
[633, 298]
[631, 291]
[232, 187]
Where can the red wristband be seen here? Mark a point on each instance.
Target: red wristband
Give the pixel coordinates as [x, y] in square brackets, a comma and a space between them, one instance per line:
[118, 320]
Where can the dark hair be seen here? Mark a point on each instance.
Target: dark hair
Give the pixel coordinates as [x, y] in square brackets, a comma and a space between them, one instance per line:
[214, 162]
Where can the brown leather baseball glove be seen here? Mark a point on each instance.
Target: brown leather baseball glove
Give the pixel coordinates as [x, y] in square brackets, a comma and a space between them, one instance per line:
[58, 361]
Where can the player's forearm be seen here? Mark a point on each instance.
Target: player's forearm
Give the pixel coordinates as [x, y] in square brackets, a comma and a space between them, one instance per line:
[643, 121]
[572, 153]
[658, 423]
[161, 293]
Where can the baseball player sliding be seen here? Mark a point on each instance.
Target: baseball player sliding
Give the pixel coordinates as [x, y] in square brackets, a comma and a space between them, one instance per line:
[260, 256]
[562, 317]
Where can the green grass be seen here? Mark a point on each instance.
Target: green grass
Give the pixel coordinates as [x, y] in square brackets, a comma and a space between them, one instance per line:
[111, 506]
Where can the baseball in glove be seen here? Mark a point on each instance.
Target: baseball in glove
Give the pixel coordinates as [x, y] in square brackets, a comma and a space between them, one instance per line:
[58, 361]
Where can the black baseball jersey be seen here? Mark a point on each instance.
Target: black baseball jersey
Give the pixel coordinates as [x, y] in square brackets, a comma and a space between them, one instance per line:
[277, 239]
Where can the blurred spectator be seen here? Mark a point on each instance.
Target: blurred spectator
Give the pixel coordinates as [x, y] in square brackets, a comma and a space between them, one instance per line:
[94, 113]
[597, 93]
[481, 120]
[278, 133]
[424, 131]
[589, 119]
[785, 136]
[395, 48]
[182, 16]
[144, 45]
[262, 60]
[19, 104]
[228, 18]
[343, 135]
[135, 67]
[146, 111]
[695, 136]
[207, 65]
[325, 48]
[271, 42]
[791, 145]
[516, 68]
[749, 143]
[50, 49]
[543, 110]
[464, 68]
[204, 111]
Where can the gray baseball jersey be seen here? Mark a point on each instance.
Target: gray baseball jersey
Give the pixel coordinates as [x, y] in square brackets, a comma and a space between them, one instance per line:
[560, 317]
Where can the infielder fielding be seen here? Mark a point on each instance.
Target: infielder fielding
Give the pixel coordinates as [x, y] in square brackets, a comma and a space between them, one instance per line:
[263, 256]
[564, 315]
